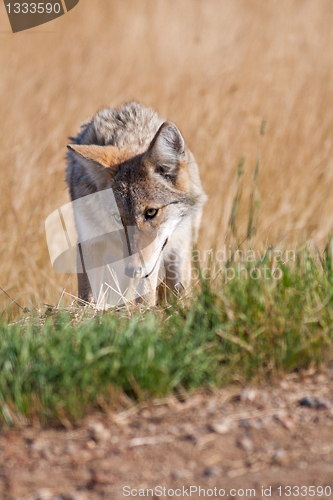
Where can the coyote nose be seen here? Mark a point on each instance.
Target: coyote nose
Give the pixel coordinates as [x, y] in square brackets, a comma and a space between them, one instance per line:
[133, 272]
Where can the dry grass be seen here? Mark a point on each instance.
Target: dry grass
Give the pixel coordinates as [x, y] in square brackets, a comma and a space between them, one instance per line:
[215, 68]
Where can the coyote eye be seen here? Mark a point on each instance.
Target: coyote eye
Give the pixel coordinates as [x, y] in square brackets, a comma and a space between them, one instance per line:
[117, 218]
[150, 213]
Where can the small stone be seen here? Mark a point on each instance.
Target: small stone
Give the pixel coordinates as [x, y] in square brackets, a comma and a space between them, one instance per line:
[190, 434]
[181, 474]
[97, 477]
[279, 415]
[289, 423]
[98, 432]
[322, 404]
[248, 394]
[221, 427]
[245, 443]
[212, 471]
[280, 457]
[307, 401]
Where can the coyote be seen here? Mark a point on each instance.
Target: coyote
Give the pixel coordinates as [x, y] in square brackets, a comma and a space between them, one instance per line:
[142, 161]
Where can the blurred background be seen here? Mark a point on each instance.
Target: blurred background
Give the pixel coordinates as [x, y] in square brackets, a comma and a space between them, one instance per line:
[214, 67]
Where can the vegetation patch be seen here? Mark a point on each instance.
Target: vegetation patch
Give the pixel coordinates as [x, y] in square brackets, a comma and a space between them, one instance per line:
[65, 362]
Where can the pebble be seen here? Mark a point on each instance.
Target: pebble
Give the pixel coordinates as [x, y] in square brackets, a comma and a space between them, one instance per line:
[312, 402]
[245, 443]
[323, 404]
[280, 457]
[181, 474]
[248, 394]
[91, 444]
[287, 421]
[189, 433]
[98, 432]
[221, 427]
[307, 401]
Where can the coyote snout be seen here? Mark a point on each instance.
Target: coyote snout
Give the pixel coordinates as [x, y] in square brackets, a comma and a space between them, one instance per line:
[157, 201]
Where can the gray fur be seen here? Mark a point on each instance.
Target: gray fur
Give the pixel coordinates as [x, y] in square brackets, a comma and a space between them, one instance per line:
[130, 126]
[158, 172]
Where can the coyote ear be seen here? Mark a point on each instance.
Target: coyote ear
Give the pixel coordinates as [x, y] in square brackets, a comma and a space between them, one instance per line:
[166, 153]
[97, 160]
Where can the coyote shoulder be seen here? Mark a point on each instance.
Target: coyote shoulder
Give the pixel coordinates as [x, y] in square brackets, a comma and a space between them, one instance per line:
[144, 162]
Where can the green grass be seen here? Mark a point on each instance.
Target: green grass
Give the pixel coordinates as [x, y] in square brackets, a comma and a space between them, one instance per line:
[245, 329]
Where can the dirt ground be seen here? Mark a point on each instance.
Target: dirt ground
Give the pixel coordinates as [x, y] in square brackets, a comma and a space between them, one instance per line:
[232, 443]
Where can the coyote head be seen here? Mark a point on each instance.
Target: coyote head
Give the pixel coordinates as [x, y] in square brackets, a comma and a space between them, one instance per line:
[151, 190]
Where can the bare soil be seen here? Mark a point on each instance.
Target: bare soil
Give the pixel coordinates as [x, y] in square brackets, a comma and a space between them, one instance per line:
[234, 440]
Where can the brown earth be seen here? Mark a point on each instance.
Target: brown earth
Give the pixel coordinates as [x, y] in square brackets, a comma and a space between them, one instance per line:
[234, 440]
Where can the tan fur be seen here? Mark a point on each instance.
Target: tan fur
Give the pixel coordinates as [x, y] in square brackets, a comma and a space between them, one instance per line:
[107, 156]
[145, 164]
